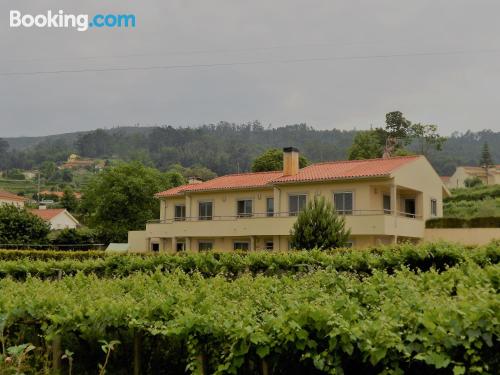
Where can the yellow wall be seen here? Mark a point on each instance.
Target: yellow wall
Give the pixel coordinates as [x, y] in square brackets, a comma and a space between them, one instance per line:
[465, 236]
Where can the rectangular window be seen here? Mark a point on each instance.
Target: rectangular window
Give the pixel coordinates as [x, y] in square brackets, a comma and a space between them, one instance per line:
[270, 206]
[410, 207]
[269, 245]
[244, 208]
[296, 203]
[180, 246]
[205, 210]
[155, 247]
[241, 245]
[387, 204]
[180, 212]
[343, 202]
[434, 208]
[205, 246]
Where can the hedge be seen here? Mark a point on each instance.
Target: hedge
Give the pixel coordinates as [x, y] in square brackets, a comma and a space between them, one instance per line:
[455, 222]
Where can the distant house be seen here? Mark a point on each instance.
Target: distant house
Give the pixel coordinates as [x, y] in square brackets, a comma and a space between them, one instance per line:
[9, 198]
[76, 162]
[462, 173]
[59, 218]
[58, 194]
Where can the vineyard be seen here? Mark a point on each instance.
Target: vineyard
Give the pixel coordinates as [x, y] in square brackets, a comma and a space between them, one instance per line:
[404, 310]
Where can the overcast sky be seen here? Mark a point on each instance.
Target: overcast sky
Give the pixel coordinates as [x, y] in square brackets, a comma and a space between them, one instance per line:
[331, 64]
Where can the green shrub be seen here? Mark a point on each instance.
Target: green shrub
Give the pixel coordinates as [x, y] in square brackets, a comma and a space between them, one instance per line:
[454, 222]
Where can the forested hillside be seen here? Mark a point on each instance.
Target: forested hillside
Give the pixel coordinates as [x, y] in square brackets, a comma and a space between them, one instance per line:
[224, 148]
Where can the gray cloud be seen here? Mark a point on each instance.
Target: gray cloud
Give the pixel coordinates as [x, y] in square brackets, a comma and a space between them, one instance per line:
[456, 91]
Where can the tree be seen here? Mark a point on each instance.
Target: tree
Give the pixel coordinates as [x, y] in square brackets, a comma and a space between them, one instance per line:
[272, 160]
[485, 160]
[471, 182]
[426, 136]
[196, 171]
[19, 226]
[69, 200]
[319, 226]
[4, 146]
[366, 145]
[72, 236]
[121, 198]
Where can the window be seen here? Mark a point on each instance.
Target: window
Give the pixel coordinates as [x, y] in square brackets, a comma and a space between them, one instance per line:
[270, 206]
[241, 245]
[180, 246]
[434, 208]
[180, 212]
[410, 207]
[244, 208]
[349, 244]
[269, 245]
[387, 204]
[296, 203]
[343, 202]
[155, 246]
[205, 210]
[205, 246]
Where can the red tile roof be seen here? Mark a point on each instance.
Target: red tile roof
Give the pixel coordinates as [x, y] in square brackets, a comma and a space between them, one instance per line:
[348, 169]
[47, 214]
[316, 172]
[174, 190]
[12, 197]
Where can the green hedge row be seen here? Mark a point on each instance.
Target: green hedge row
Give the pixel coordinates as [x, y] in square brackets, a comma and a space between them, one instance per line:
[419, 258]
[454, 222]
[50, 254]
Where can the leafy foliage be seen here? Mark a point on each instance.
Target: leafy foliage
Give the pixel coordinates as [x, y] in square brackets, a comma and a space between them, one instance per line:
[69, 200]
[121, 198]
[272, 160]
[319, 226]
[486, 159]
[321, 322]
[366, 145]
[45, 264]
[18, 226]
[74, 236]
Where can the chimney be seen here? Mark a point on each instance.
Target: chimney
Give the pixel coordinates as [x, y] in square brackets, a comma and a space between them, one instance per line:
[290, 161]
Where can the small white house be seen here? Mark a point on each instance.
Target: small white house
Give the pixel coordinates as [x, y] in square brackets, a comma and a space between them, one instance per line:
[58, 218]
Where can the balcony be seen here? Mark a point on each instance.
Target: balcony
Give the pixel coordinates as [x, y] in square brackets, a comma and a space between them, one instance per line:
[361, 222]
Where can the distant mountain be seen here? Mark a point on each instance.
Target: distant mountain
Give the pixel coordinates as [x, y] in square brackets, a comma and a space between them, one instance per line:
[224, 147]
[23, 143]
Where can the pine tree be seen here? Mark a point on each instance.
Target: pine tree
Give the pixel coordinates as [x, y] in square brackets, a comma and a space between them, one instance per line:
[486, 159]
[319, 226]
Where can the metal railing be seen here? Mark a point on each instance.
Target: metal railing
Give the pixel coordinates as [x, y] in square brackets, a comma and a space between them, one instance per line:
[260, 215]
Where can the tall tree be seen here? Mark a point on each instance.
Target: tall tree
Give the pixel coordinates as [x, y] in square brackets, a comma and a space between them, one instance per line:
[121, 198]
[272, 160]
[69, 200]
[319, 226]
[426, 137]
[486, 159]
[366, 145]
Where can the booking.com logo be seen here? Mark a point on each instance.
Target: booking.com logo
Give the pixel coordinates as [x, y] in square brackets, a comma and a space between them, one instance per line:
[80, 22]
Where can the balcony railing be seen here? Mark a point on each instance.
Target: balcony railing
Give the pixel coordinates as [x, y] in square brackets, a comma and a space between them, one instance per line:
[280, 215]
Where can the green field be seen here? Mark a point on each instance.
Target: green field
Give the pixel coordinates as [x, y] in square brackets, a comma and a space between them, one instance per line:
[432, 308]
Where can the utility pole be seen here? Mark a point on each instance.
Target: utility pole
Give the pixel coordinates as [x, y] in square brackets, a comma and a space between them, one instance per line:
[38, 194]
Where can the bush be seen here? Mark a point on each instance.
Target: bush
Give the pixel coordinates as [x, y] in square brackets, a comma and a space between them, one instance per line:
[18, 226]
[319, 226]
[74, 237]
[454, 222]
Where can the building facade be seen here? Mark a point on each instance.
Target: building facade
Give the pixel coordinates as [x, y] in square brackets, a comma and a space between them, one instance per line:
[58, 218]
[383, 201]
[488, 176]
[9, 198]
